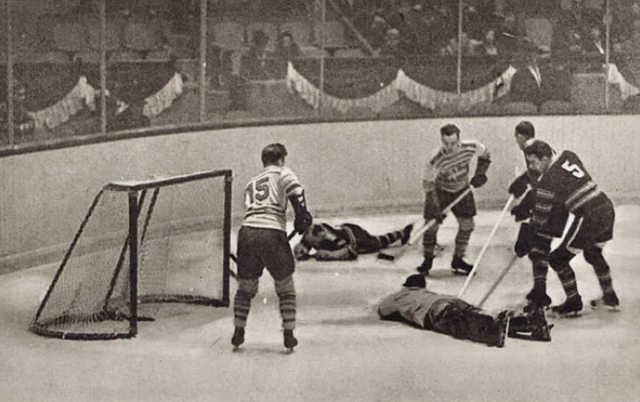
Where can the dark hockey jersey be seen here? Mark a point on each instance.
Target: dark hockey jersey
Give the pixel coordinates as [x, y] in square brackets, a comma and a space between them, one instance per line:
[566, 184]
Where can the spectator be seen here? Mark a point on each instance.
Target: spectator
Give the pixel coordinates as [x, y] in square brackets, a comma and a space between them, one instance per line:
[23, 123]
[489, 45]
[287, 48]
[392, 46]
[529, 82]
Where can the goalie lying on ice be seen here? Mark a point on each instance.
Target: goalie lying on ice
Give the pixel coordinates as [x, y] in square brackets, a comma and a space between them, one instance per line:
[453, 316]
[344, 242]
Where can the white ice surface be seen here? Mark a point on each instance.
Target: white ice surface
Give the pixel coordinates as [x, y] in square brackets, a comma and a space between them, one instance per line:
[346, 353]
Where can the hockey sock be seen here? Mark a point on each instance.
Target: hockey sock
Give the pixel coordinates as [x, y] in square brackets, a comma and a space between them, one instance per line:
[603, 272]
[389, 238]
[286, 291]
[429, 241]
[247, 289]
[540, 270]
[559, 261]
[465, 228]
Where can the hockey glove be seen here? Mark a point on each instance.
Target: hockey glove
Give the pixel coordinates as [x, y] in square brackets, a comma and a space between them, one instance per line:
[524, 210]
[303, 218]
[302, 221]
[526, 237]
[519, 185]
[478, 180]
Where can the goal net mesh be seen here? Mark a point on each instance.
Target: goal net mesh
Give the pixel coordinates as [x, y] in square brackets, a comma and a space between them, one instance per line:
[106, 283]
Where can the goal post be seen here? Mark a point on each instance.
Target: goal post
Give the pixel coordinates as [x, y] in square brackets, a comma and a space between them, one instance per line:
[142, 243]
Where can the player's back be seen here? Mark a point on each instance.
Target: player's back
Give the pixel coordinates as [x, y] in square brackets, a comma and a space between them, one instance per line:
[266, 197]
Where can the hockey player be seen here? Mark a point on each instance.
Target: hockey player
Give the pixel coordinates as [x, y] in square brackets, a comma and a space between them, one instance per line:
[564, 181]
[263, 243]
[446, 176]
[345, 242]
[450, 315]
[554, 227]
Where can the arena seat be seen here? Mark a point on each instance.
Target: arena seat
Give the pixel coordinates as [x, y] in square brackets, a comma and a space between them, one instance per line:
[71, 37]
[228, 35]
[349, 53]
[126, 55]
[113, 36]
[140, 36]
[334, 34]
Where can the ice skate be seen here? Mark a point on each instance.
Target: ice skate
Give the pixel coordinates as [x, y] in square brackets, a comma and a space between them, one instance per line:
[502, 328]
[609, 301]
[536, 299]
[290, 341]
[532, 326]
[238, 338]
[425, 267]
[460, 266]
[571, 308]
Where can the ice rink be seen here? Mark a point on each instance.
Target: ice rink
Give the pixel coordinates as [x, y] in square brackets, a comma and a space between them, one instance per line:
[345, 353]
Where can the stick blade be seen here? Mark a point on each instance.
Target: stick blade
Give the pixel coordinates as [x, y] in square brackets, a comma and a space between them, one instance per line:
[386, 257]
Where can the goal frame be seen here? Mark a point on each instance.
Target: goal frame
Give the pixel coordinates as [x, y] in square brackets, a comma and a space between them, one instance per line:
[136, 189]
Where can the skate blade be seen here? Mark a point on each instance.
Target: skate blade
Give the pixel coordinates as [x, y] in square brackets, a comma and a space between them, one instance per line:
[460, 272]
[611, 309]
[573, 314]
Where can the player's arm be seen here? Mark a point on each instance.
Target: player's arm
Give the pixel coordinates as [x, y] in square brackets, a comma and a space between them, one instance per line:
[484, 160]
[295, 194]
[388, 310]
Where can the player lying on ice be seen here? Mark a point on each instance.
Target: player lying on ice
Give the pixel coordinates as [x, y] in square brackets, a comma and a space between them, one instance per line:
[453, 316]
[344, 242]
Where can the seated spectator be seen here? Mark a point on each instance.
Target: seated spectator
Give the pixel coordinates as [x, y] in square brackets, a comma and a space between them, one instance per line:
[529, 82]
[393, 46]
[469, 47]
[489, 45]
[287, 48]
[23, 123]
[253, 62]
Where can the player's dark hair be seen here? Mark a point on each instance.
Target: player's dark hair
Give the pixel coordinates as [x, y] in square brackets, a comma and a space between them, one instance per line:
[272, 153]
[450, 129]
[526, 129]
[538, 148]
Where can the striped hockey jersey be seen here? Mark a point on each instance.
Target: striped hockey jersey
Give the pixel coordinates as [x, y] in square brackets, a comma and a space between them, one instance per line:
[566, 184]
[449, 171]
[266, 197]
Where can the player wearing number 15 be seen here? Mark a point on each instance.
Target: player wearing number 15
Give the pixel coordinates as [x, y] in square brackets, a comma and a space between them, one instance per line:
[263, 243]
[565, 182]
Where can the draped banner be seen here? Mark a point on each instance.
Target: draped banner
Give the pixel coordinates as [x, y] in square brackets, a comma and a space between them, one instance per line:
[425, 96]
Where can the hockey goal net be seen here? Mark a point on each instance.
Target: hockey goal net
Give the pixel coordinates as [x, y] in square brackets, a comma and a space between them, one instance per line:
[142, 243]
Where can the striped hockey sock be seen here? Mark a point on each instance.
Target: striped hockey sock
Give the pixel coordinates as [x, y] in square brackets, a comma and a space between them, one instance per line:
[286, 291]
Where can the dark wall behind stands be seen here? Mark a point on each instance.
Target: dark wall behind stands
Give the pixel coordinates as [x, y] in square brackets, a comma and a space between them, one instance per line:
[347, 168]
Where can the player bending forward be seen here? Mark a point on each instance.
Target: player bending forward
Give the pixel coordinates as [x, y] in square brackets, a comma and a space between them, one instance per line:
[263, 243]
[453, 316]
[345, 242]
[564, 181]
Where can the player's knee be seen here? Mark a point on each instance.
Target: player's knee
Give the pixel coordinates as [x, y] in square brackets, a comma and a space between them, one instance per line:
[466, 224]
[593, 255]
[249, 287]
[559, 258]
[536, 254]
[285, 286]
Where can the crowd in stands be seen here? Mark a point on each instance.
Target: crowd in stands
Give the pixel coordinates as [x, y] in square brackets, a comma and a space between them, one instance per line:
[248, 40]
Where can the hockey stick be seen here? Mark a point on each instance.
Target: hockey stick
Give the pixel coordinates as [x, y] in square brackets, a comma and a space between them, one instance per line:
[486, 245]
[389, 257]
[498, 280]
